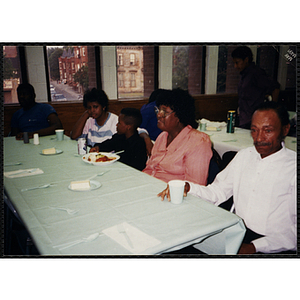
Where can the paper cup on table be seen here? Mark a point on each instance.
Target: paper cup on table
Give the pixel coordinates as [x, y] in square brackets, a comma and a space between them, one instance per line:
[202, 126]
[59, 134]
[36, 140]
[176, 191]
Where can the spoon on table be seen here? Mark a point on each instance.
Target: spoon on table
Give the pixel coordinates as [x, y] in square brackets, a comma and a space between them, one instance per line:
[83, 240]
[100, 174]
[68, 210]
[24, 171]
[12, 164]
[38, 187]
[113, 152]
[122, 230]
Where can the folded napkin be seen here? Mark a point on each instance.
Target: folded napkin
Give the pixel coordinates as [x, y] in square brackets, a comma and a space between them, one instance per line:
[215, 125]
[23, 172]
[131, 238]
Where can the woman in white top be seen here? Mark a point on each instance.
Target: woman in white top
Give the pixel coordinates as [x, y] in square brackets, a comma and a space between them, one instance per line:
[97, 124]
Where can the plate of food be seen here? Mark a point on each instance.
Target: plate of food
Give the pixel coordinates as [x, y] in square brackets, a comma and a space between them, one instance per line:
[100, 159]
[84, 185]
[51, 151]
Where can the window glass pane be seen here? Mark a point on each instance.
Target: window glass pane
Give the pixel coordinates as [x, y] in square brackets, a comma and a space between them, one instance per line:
[222, 68]
[187, 68]
[180, 70]
[290, 57]
[11, 73]
[70, 70]
[266, 59]
[130, 69]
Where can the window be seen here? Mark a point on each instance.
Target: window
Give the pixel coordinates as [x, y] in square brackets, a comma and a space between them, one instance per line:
[69, 71]
[180, 70]
[11, 73]
[130, 71]
[132, 59]
[222, 67]
[120, 59]
[121, 79]
[187, 68]
[132, 80]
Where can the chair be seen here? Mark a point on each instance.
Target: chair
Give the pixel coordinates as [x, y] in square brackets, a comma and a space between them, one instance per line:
[15, 227]
[226, 159]
[214, 166]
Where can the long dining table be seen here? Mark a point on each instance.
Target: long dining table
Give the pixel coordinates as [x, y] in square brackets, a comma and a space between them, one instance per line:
[120, 215]
[240, 139]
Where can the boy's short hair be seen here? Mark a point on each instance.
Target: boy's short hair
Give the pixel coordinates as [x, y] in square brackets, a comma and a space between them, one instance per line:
[242, 52]
[95, 95]
[132, 116]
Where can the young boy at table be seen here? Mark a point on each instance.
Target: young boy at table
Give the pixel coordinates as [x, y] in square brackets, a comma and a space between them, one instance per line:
[127, 139]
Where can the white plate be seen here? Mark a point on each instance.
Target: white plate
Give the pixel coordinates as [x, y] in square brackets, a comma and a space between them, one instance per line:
[94, 185]
[57, 152]
[104, 163]
[215, 129]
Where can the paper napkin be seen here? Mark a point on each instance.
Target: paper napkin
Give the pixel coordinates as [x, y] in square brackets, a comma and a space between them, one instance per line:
[212, 124]
[138, 239]
[23, 172]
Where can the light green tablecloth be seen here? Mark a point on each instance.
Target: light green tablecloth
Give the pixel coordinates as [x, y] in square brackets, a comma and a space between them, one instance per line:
[240, 139]
[126, 196]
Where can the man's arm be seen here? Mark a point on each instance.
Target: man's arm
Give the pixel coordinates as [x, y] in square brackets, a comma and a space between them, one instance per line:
[247, 249]
[275, 95]
[14, 131]
[54, 123]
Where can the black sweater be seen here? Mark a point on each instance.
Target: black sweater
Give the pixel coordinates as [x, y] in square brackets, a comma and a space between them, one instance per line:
[134, 155]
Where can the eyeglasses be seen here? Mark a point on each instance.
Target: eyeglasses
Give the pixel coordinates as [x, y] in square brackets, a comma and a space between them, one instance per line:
[162, 112]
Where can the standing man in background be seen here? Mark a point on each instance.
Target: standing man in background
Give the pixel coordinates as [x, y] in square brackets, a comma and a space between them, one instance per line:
[254, 86]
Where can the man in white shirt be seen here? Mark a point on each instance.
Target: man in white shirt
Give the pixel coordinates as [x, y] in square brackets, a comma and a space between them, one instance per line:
[262, 180]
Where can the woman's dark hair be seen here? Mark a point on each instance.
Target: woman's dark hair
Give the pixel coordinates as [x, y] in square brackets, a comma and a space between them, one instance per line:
[280, 110]
[242, 52]
[95, 95]
[133, 116]
[182, 103]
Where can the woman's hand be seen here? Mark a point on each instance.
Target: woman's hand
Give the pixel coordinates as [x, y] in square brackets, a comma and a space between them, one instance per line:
[166, 192]
[94, 149]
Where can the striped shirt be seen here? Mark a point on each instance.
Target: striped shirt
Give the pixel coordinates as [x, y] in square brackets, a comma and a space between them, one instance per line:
[95, 133]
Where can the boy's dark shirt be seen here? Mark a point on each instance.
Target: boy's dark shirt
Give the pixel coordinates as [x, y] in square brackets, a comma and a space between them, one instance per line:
[134, 155]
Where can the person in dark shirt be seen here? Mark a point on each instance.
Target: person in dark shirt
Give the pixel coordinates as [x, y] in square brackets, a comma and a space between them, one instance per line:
[127, 139]
[254, 86]
[33, 117]
[149, 115]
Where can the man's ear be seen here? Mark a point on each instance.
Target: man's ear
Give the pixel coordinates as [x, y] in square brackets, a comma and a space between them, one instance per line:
[286, 129]
[129, 127]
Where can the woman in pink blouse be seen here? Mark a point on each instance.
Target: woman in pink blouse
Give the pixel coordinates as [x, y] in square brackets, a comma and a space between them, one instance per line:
[180, 151]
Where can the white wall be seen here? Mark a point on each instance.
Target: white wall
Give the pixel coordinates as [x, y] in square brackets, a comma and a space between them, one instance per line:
[165, 67]
[37, 71]
[109, 71]
[211, 71]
